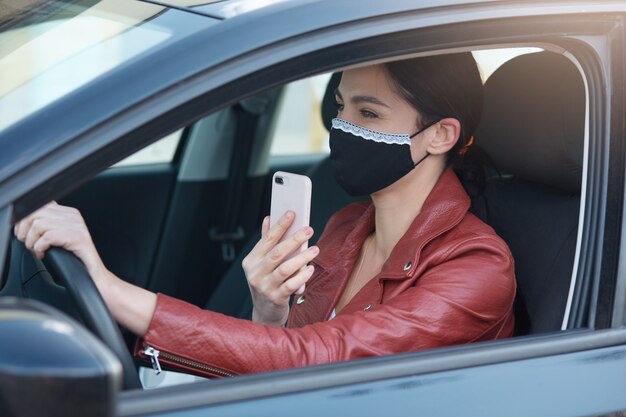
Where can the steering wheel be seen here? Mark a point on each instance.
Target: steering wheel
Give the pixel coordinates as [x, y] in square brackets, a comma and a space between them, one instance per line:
[73, 275]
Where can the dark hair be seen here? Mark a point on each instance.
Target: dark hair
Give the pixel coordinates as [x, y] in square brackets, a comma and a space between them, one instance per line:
[442, 86]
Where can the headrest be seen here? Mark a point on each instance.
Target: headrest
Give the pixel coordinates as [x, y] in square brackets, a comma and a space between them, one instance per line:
[534, 118]
[329, 106]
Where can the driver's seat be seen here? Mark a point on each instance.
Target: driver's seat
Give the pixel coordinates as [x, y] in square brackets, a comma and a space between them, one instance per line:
[533, 130]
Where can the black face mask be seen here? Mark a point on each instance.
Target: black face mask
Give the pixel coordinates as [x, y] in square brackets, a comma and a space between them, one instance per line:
[365, 161]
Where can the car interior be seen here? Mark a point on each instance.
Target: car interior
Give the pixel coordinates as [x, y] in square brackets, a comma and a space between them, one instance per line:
[183, 227]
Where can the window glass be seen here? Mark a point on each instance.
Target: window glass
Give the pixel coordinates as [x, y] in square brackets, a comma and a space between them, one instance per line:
[299, 127]
[162, 151]
[489, 60]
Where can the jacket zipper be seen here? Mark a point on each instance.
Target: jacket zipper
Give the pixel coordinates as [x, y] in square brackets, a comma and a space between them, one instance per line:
[155, 354]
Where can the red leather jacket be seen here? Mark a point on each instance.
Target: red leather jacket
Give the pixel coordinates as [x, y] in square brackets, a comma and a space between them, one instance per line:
[449, 280]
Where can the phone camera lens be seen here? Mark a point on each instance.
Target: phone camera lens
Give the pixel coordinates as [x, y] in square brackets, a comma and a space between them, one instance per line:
[279, 180]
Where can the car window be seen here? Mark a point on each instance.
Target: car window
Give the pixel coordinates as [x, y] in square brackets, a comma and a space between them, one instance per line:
[299, 127]
[300, 132]
[162, 151]
[489, 60]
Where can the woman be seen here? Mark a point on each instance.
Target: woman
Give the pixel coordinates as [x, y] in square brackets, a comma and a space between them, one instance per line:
[411, 270]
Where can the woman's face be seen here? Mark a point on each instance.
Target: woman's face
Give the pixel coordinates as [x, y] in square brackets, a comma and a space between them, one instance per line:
[366, 97]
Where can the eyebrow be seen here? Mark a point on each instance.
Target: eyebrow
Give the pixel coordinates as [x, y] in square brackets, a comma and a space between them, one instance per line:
[362, 99]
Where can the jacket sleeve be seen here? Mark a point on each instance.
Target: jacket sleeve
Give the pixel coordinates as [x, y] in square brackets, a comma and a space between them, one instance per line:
[467, 297]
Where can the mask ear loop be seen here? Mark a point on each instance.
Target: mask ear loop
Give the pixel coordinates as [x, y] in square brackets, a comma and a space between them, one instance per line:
[417, 133]
[420, 161]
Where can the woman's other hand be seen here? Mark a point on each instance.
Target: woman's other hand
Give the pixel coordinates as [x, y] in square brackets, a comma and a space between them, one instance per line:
[56, 225]
[273, 276]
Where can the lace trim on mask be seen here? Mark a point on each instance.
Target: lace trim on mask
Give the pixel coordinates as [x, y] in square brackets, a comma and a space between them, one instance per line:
[365, 133]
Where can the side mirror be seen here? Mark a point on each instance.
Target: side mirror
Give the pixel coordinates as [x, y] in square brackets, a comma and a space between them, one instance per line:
[50, 365]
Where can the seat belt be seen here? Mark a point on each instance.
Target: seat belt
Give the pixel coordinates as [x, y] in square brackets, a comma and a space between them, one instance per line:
[247, 114]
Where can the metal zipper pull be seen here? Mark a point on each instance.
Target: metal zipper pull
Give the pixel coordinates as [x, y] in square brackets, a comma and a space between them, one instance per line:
[154, 358]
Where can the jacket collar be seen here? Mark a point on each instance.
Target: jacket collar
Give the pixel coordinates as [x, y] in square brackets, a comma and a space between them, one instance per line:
[444, 208]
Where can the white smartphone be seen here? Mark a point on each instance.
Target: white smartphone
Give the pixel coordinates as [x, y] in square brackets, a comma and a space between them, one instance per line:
[291, 192]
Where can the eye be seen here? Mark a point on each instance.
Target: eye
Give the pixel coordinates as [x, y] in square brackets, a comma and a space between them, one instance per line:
[368, 114]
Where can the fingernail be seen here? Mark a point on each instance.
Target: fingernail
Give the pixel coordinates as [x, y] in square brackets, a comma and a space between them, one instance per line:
[314, 250]
[308, 231]
[289, 214]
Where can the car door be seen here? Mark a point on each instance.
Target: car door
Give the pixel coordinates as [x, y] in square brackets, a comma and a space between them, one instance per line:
[577, 372]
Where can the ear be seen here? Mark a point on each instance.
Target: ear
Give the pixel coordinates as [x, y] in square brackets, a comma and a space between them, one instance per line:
[444, 138]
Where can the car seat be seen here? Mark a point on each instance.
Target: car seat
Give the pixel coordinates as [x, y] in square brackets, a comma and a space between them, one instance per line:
[533, 129]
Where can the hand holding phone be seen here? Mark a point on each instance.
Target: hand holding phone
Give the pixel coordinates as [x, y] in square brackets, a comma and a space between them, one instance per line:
[274, 275]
